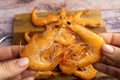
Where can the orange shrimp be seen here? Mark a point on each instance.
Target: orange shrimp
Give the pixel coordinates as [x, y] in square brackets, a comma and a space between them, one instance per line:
[66, 37]
[94, 41]
[28, 38]
[37, 21]
[83, 21]
[86, 73]
[36, 47]
[67, 65]
[46, 74]
[61, 45]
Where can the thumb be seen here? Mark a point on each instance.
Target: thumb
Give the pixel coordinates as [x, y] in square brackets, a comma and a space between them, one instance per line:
[111, 52]
[12, 68]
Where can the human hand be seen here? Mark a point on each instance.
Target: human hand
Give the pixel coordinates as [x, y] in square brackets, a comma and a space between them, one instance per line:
[110, 63]
[12, 67]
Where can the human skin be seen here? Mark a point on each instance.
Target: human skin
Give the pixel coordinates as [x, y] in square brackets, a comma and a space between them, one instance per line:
[110, 62]
[12, 67]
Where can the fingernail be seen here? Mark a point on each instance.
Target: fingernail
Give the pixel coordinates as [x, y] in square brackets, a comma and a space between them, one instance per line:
[108, 49]
[23, 62]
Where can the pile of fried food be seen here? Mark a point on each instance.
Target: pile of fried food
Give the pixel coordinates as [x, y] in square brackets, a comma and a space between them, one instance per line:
[65, 47]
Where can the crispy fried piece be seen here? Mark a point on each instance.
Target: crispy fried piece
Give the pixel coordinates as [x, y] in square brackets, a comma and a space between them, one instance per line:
[60, 44]
[77, 51]
[66, 37]
[46, 74]
[35, 47]
[38, 21]
[79, 13]
[63, 13]
[69, 70]
[52, 26]
[28, 38]
[90, 38]
[87, 22]
[83, 21]
[86, 73]
[68, 66]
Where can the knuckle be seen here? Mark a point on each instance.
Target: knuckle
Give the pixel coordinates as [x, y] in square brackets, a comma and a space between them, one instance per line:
[5, 67]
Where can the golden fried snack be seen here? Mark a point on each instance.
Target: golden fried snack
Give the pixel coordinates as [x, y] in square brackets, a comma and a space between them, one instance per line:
[37, 21]
[66, 37]
[46, 74]
[86, 73]
[91, 39]
[83, 21]
[38, 47]
[63, 13]
[87, 22]
[28, 38]
[65, 44]
[67, 65]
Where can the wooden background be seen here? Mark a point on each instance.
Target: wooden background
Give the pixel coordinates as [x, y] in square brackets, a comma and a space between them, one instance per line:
[110, 10]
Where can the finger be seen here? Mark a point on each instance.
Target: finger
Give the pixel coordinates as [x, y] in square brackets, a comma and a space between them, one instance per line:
[29, 78]
[109, 62]
[25, 74]
[112, 52]
[111, 38]
[28, 73]
[10, 52]
[12, 68]
[110, 70]
[17, 77]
